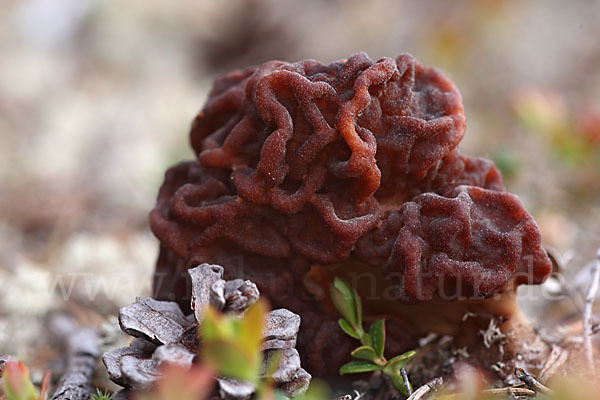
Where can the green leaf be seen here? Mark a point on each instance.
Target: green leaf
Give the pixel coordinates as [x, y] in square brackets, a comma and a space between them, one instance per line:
[342, 296]
[365, 339]
[358, 308]
[211, 325]
[278, 395]
[356, 367]
[231, 360]
[399, 383]
[377, 334]
[252, 326]
[231, 345]
[272, 362]
[318, 390]
[364, 353]
[347, 328]
[394, 365]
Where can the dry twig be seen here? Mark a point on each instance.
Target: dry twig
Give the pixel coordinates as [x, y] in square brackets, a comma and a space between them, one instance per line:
[3, 361]
[587, 313]
[82, 352]
[531, 382]
[406, 382]
[500, 393]
[357, 395]
[503, 393]
[557, 358]
[432, 385]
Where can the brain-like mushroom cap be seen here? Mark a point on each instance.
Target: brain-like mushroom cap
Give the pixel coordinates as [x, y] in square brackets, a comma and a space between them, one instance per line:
[308, 164]
[352, 159]
[471, 244]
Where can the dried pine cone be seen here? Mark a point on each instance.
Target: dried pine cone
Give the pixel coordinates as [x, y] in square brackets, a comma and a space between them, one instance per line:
[164, 335]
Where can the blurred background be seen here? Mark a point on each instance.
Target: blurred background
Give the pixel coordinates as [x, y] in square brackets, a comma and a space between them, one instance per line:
[96, 98]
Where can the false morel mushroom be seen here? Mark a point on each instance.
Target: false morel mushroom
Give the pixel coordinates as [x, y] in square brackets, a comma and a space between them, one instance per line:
[305, 171]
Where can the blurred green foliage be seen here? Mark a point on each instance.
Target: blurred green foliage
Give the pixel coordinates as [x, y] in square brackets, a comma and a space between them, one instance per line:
[573, 134]
[507, 162]
[231, 348]
[231, 345]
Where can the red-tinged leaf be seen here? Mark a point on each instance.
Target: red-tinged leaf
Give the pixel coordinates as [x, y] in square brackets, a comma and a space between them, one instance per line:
[16, 383]
[44, 385]
[182, 384]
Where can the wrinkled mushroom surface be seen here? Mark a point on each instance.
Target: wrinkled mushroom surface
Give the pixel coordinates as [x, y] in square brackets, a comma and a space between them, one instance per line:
[306, 170]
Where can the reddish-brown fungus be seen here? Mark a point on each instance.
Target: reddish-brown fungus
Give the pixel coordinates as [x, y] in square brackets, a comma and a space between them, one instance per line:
[305, 171]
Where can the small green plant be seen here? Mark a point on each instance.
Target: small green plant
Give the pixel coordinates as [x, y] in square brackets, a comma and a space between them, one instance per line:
[231, 348]
[231, 345]
[102, 395]
[16, 384]
[370, 354]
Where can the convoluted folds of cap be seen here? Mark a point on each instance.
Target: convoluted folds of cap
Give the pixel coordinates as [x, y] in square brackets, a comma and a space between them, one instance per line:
[355, 159]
